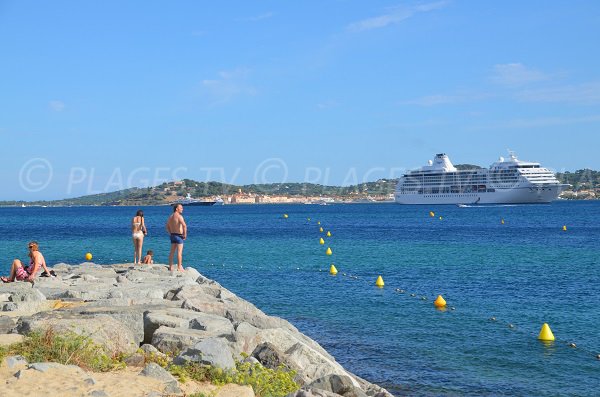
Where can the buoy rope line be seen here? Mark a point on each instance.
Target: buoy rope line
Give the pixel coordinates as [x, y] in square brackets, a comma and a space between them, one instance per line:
[367, 280]
[423, 298]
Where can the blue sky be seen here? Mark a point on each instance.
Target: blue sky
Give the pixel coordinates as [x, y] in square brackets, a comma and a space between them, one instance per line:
[98, 96]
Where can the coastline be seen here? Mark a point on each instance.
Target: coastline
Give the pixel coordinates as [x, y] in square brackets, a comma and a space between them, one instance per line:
[123, 307]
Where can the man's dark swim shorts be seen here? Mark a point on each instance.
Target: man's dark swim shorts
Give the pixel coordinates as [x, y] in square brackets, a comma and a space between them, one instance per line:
[176, 238]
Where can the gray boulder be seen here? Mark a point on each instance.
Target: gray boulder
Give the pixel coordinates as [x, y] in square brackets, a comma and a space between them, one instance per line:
[103, 330]
[268, 355]
[312, 393]
[155, 371]
[205, 304]
[171, 340]
[181, 318]
[212, 351]
[6, 325]
[14, 361]
[342, 385]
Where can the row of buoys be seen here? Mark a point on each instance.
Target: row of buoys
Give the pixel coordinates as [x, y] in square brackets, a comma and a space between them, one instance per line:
[432, 214]
[440, 303]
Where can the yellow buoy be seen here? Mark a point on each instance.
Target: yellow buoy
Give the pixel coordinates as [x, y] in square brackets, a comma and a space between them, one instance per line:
[431, 214]
[318, 222]
[440, 301]
[564, 228]
[321, 241]
[285, 215]
[328, 233]
[88, 256]
[502, 221]
[546, 333]
[332, 270]
[321, 229]
[308, 219]
[328, 252]
[440, 218]
[379, 282]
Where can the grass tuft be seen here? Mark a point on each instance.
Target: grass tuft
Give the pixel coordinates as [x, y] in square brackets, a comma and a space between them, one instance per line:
[68, 348]
[265, 382]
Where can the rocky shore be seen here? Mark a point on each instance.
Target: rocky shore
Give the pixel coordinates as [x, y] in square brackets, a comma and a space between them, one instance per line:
[124, 308]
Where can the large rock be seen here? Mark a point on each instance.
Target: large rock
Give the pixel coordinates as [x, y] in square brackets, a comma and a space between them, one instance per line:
[342, 385]
[269, 355]
[308, 362]
[205, 305]
[187, 319]
[312, 393]
[244, 339]
[211, 351]
[131, 316]
[6, 325]
[171, 340]
[155, 371]
[238, 311]
[103, 330]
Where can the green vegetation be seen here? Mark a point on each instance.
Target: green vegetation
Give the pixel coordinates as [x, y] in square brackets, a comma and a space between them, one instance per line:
[68, 348]
[71, 348]
[265, 382]
[585, 179]
[164, 193]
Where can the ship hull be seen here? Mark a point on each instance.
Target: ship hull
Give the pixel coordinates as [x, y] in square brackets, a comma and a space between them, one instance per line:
[521, 195]
[199, 204]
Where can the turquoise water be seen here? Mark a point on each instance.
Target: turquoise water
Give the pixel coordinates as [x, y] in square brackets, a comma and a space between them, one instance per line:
[525, 272]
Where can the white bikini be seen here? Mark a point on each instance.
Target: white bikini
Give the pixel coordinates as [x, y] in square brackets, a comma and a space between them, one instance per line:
[137, 234]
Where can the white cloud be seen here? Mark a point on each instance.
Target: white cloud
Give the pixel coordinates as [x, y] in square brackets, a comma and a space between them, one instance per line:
[442, 99]
[257, 18]
[516, 74]
[539, 122]
[327, 104]
[432, 100]
[586, 93]
[56, 106]
[229, 85]
[393, 16]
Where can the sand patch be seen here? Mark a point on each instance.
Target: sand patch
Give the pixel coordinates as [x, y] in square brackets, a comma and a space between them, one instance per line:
[75, 382]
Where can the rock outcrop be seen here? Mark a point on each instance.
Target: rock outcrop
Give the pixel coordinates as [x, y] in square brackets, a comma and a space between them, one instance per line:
[185, 314]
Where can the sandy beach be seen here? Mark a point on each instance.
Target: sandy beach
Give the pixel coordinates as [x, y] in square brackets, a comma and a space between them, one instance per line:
[74, 382]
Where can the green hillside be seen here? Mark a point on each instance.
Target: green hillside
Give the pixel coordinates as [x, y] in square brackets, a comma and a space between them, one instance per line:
[165, 193]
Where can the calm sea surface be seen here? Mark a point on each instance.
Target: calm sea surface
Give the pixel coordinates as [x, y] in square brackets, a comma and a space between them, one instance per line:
[524, 272]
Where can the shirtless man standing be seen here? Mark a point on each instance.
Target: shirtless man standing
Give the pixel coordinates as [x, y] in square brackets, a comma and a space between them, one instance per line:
[177, 229]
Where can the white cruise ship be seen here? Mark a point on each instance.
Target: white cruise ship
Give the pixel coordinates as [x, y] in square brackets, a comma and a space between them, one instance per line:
[507, 181]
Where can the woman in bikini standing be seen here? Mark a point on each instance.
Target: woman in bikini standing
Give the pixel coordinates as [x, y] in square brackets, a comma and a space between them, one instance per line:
[27, 273]
[138, 231]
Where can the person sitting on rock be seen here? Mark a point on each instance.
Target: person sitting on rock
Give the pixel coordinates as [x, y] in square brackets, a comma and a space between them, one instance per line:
[148, 258]
[28, 273]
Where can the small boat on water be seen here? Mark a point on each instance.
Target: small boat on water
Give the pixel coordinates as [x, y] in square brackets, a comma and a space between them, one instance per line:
[189, 201]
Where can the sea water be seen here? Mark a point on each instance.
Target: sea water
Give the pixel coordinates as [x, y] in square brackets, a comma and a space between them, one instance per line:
[522, 273]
